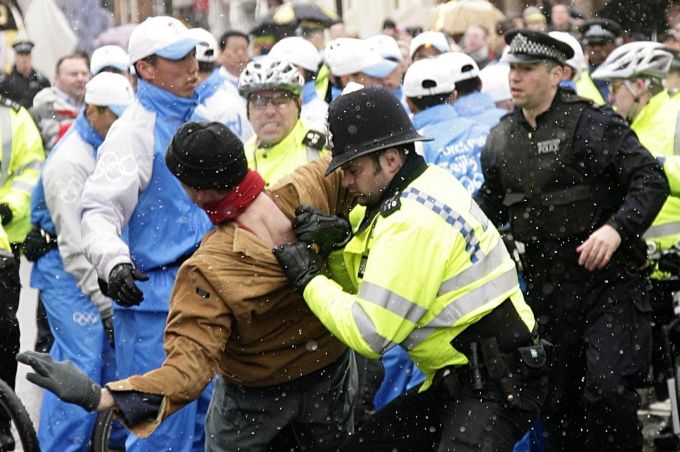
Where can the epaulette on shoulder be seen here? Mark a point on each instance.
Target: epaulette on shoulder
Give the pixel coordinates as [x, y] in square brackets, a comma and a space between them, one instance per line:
[10, 103]
[315, 140]
[569, 97]
[390, 205]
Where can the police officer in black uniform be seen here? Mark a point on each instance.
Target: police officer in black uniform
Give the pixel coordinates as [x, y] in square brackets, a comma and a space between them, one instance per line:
[578, 190]
[599, 38]
[23, 83]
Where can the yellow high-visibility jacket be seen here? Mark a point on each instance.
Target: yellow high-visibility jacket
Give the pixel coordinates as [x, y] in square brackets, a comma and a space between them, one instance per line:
[657, 126]
[21, 158]
[302, 145]
[425, 267]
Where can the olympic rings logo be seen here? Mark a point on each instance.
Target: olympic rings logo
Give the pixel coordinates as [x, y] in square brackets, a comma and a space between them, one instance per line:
[70, 191]
[115, 168]
[85, 318]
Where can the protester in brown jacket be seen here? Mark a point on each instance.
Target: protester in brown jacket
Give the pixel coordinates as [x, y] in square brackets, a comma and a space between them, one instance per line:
[233, 311]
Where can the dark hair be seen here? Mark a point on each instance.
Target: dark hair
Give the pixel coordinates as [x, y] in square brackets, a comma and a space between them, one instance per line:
[230, 34]
[151, 59]
[389, 23]
[405, 150]
[503, 26]
[469, 86]
[77, 55]
[425, 102]
[204, 66]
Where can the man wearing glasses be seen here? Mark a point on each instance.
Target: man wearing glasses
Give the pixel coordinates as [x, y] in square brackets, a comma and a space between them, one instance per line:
[272, 87]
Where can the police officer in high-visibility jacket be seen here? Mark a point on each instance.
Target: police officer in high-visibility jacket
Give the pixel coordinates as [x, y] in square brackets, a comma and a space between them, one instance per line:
[282, 142]
[424, 268]
[20, 163]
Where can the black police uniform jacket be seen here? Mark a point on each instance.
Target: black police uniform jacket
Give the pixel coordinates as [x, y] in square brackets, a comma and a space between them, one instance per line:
[580, 168]
[22, 89]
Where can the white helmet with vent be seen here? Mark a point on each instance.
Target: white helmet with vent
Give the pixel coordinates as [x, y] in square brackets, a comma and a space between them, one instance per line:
[270, 73]
[635, 59]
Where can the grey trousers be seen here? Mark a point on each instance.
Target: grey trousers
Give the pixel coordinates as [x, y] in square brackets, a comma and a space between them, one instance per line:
[316, 415]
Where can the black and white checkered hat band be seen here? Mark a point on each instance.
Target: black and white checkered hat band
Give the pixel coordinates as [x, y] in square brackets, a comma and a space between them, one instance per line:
[522, 45]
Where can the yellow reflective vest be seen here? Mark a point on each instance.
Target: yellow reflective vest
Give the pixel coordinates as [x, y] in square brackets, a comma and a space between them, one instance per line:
[585, 87]
[657, 128]
[302, 145]
[423, 269]
[20, 162]
[671, 167]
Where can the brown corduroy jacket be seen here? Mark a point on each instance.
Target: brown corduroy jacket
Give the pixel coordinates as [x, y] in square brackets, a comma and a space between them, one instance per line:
[233, 311]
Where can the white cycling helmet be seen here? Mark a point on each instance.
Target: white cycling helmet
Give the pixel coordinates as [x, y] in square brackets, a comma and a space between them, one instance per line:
[270, 73]
[635, 59]
[578, 61]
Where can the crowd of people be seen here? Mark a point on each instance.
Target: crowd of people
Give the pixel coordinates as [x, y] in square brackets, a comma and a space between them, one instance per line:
[297, 247]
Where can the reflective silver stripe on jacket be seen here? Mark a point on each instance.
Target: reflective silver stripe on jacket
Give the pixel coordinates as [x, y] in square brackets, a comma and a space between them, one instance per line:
[391, 301]
[369, 333]
[476, 271]
[451, 217]
[6, 131]
[23, 185]
[312, 154]
[464, 305]
[662, 230]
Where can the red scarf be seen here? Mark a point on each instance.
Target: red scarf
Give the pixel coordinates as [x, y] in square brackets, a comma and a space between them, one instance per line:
[237, 200]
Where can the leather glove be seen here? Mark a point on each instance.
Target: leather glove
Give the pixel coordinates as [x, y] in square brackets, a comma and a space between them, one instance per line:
[299, 262]
[330, 232]
[122, 287]
[62, 378]
[6, 214]
[107, 323]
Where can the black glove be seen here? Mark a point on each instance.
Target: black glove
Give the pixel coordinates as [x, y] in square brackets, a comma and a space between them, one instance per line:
[330, 232]
[122, 287]
[37, 243]
[299, 262]
[62, 378]
[5, 213]
[107, 323]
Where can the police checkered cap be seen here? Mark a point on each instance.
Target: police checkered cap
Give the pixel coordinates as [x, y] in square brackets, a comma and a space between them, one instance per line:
[531, 45]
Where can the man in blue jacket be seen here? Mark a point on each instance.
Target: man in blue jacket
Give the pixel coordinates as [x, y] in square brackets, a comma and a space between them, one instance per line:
[458, 141]
[470, 101]
[138, 223]
[79, 314]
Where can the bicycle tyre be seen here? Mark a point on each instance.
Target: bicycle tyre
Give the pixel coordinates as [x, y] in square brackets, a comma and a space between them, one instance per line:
[16, 411]
[102, 432]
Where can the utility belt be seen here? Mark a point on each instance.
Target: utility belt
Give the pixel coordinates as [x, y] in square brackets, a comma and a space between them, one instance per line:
[494, 357]
[37, 243]
[489, 365]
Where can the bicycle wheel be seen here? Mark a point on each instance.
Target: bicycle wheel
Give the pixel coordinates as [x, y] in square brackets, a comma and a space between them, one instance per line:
[101, 434]
[22, 430]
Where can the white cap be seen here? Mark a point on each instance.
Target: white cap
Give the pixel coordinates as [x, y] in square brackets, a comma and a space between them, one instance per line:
[578, 61]
[495, 81]
[346, 56]
[298, 51]
[386, 47]
[206, 51]
[106, 56]
[111, 90]
[460, 64]
[428, 77]
[164, 36]
[434, 39]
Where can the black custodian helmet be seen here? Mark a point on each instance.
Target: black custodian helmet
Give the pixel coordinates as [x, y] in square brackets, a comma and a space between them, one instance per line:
[365, 121]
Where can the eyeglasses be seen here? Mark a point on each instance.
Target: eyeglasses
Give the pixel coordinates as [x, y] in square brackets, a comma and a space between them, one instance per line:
[279, 102]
